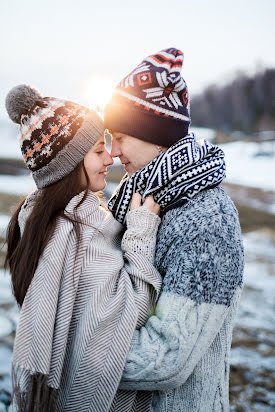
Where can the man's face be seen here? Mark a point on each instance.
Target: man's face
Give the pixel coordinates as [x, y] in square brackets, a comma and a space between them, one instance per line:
[133, 153]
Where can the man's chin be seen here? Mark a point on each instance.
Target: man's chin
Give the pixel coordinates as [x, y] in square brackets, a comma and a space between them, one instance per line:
[127, 168]
[129, 171]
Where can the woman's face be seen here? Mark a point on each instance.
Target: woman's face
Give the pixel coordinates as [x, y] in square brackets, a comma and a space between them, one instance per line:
[96, 162]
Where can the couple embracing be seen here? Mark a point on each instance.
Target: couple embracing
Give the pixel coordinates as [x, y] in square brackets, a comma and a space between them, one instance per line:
[131, 308]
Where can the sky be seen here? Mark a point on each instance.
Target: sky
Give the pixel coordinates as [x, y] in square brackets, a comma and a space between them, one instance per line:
[81, 49]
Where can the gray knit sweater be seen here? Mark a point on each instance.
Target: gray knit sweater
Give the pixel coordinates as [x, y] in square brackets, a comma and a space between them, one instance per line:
[182, 353]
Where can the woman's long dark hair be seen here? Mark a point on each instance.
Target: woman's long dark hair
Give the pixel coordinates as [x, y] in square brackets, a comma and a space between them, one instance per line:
[24, 251]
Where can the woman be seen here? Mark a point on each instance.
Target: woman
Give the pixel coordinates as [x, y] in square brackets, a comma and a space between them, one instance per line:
[82, 290]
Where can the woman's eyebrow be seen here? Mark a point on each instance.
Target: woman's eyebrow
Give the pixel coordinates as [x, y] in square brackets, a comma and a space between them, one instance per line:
[100, 143]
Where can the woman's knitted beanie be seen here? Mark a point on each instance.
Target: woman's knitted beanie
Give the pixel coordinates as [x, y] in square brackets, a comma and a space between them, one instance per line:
[55, 134]
[152, 103]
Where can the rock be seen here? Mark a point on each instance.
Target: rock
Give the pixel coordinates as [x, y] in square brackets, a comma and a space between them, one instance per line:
[6, 385]
[3, 407]
[6, 327]
[5, 360]
[6, 296]
[5, 398]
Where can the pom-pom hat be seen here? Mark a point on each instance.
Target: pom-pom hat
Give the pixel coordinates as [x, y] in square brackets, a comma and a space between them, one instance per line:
[55, 134]
[151, 103]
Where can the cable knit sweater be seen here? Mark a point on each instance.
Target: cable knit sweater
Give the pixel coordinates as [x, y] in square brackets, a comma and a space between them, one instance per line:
[182, 352]
[82, 307]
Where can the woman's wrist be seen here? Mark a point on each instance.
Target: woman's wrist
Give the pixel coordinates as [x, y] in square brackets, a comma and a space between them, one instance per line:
[143, 221]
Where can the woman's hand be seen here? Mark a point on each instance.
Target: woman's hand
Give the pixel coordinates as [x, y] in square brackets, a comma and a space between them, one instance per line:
[148, 202]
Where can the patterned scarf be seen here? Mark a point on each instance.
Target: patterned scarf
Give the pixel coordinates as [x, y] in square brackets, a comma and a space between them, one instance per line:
[178, 174]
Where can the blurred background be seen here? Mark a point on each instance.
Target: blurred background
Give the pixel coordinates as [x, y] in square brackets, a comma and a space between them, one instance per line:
[81, 49]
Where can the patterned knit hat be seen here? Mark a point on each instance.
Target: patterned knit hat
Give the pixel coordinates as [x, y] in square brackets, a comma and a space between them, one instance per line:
[55, 134]
[151, 103]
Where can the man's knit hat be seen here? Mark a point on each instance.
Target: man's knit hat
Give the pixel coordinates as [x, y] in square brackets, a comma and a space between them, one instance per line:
[151, 103]
[55, 134]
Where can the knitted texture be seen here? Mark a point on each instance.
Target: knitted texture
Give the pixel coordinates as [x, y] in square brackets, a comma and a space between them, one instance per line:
[20, 100]
[181, 172]
[141, 226]
[182, 353]
[216, 244]
[83, 305]
[55, 134]
[152, 103]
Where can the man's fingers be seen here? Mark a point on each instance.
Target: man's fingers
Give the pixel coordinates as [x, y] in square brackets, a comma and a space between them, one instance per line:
[136, 201]
[148, 202]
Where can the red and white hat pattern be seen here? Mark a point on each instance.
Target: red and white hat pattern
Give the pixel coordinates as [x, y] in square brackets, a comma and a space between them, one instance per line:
[151, 102]
[157, 84]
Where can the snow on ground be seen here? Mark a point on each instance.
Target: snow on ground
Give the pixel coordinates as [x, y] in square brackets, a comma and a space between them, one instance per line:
[252, 355]
[203, 133]
[244, 165]
[259, 291]
[19, 185]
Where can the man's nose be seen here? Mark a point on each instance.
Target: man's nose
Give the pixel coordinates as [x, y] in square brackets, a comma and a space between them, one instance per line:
[115, 149]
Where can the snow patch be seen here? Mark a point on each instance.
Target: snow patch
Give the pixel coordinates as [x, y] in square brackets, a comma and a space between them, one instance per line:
[245, 167]
[19, 185]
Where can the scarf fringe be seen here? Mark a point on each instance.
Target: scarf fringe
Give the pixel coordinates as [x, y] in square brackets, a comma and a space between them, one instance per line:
[36, 396]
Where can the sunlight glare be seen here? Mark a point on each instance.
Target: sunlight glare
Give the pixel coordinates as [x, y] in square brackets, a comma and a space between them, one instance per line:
[98, 91]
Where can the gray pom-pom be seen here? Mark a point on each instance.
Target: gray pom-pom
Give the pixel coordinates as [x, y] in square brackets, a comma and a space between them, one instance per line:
[20, 100]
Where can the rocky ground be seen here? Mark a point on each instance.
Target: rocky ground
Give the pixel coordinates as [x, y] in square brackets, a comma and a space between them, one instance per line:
[253, 349]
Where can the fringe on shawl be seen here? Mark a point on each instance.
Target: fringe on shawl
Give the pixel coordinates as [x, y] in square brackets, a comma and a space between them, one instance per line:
[35, 396]
[132, 401]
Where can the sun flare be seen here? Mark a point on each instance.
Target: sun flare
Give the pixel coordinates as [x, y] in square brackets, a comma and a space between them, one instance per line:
[98, 91]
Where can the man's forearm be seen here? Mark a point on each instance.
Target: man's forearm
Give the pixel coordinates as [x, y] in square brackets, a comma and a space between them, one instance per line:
[165, 352]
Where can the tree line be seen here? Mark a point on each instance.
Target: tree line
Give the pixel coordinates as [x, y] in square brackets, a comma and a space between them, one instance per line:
[246, 104]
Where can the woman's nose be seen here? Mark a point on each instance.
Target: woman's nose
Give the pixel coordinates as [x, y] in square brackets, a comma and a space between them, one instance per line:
[108, 160]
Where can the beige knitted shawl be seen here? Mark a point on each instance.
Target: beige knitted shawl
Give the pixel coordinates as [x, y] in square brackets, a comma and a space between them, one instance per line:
[81, 309]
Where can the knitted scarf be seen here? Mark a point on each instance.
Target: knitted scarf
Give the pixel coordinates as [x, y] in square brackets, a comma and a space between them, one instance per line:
[178, 174]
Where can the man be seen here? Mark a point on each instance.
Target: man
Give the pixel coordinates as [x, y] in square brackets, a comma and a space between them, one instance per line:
[182, 353]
